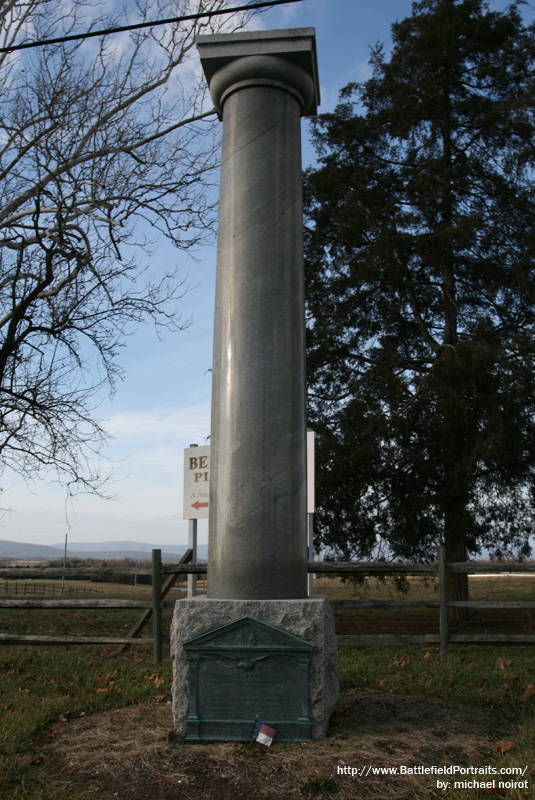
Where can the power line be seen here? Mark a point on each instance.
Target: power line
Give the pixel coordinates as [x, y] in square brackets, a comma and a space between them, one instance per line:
[137, 26]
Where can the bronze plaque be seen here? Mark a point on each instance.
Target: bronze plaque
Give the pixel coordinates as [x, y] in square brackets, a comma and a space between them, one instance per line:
[244, 672]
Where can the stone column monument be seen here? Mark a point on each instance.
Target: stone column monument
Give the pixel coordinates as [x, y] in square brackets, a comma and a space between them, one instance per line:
[261, 84]
[256, 647]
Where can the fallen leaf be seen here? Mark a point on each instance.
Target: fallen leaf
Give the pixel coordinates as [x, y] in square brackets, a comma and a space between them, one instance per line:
[530, 691]
[502, 747]
[53, 730]
[158, 681]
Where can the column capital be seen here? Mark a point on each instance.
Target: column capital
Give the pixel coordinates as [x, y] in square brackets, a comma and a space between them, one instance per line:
[282, 58]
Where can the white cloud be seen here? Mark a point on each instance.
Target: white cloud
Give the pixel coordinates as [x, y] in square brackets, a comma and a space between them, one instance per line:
[169, 425]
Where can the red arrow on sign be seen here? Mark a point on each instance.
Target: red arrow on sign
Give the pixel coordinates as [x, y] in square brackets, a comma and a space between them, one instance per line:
[198, 505]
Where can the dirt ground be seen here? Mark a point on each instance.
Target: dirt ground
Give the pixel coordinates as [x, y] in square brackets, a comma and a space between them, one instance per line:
[131, 754]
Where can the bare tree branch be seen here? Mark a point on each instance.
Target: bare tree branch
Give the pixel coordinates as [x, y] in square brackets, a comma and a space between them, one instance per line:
[102, 143]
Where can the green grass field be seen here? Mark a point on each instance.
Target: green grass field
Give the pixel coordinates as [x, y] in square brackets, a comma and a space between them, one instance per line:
[41, 687]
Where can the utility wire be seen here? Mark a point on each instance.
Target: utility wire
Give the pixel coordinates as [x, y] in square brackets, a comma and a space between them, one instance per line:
[137, 26]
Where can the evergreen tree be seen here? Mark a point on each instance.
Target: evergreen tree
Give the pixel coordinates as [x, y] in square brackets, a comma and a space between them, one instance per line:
[420, 258]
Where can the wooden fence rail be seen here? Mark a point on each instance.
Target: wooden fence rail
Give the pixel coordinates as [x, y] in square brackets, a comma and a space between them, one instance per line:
[170, 575]
[440, 569]
[34, 587]
[150, 609]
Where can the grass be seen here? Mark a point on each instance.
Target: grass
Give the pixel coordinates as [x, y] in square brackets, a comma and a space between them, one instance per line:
[42, 687]
[82, 622]
[505, 588]
[499, 679]
[498, 588]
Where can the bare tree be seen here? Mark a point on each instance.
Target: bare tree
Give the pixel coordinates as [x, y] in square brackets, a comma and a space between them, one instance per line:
[102, 142]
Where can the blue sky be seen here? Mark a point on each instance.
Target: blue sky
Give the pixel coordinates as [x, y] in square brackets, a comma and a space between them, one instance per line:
[164, 404]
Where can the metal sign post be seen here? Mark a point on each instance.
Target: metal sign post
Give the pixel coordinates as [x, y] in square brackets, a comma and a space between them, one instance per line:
[311, 507]
[196, 489]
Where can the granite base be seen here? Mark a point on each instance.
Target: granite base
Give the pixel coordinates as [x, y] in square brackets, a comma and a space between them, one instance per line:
[310, 619]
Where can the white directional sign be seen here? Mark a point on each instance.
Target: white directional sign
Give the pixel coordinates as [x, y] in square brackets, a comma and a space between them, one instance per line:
[196, 482]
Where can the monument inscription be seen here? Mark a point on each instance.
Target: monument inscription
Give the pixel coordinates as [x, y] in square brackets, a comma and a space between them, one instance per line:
[243, 671]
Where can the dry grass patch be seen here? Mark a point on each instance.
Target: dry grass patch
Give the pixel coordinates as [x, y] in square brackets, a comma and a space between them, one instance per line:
[518, 587]
[131, 753]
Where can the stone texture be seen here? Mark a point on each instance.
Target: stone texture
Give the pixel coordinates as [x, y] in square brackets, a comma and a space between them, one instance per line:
[262, 83]
[310, 619]
[295, 46]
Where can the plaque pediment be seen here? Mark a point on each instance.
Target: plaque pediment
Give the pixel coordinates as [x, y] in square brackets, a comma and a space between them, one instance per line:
[248, 633]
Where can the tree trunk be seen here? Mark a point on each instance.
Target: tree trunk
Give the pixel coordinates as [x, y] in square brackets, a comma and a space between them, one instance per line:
[455, 541]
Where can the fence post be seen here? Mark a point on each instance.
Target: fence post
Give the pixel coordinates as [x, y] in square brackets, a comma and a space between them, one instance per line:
[442, 590]
[157, 605]
[192, 544]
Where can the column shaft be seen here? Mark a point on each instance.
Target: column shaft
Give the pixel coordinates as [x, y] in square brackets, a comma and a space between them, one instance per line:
[257, 538]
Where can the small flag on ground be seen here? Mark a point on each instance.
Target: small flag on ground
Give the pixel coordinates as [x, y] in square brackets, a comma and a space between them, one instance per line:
[266, 735]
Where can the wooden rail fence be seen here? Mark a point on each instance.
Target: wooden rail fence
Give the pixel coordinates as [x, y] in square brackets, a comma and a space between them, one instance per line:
[35, 588]
[150, 609]
[164, 577]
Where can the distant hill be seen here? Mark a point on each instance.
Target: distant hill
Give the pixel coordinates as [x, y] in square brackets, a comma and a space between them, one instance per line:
[32, 552]
[138, 551]
[138, 547]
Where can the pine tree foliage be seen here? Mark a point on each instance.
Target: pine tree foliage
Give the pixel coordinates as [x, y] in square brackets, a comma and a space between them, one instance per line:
[420, 259]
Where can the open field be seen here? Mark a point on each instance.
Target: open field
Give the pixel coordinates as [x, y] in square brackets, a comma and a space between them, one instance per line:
[82, 622]
[84, 722]
[502, 588]
[112, 622]
[482, 587]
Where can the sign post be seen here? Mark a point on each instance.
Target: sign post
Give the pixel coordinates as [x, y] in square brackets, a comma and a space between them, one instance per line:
[311, 507]
[196, 488]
